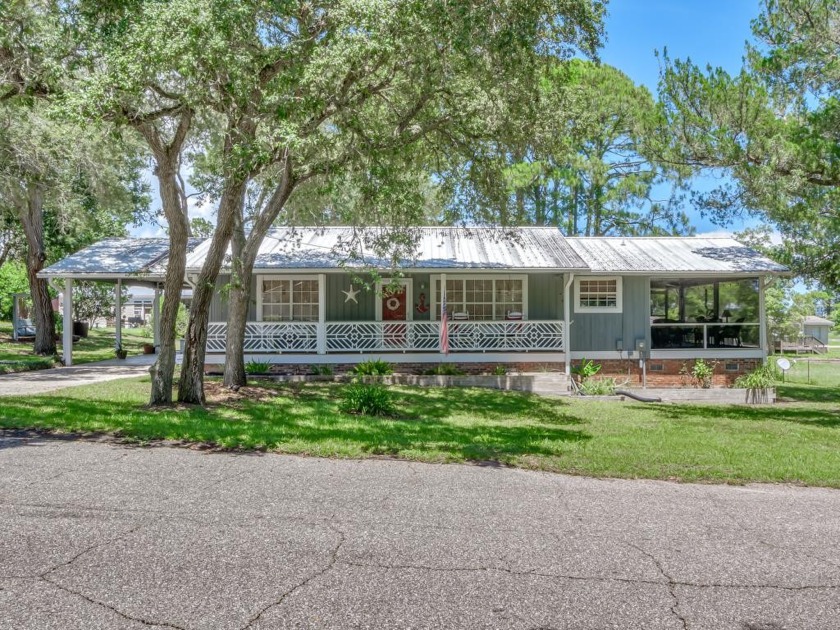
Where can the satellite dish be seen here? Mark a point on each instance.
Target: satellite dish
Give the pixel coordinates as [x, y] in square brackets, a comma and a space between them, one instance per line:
[783, 363]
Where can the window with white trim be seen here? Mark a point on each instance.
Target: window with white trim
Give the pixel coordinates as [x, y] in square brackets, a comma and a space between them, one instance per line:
[483, 298]
[598, 294]
[289, 299]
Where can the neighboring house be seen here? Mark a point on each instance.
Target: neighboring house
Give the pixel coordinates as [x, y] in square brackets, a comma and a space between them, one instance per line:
[528, 298]
[817, 327]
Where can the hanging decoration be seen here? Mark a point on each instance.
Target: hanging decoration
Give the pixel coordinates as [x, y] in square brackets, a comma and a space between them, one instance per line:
[421, 305]
[351, 295]
[392, 303]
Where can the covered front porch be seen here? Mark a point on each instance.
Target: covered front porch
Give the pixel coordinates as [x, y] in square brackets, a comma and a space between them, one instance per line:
[332, 318]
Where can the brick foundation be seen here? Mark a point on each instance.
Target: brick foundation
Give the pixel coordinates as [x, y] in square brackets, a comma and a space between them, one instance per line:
[660, 372]
[675, 372]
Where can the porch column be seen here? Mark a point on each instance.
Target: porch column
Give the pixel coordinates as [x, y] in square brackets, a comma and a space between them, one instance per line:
[567, 316]
[322, 313]
[156, 317]
[67, 333]
[118, 314]
[441, 323]
[762, 315]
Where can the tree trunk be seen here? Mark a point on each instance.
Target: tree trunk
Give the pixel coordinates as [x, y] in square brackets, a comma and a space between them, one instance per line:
[191, 385]
[32, 219]
[239, 300]
[244, 252]
[163, 370]
[168, 161]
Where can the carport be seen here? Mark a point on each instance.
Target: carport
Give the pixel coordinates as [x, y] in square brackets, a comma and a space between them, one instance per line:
[120, 261]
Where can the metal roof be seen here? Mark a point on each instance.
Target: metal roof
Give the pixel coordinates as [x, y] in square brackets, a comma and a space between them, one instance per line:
[436, 248]
[114, 257]
[671, 255]
[433, 248]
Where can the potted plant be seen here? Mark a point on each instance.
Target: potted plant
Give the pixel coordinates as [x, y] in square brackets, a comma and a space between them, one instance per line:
[120, 352]
[148, 348]
[759, 385]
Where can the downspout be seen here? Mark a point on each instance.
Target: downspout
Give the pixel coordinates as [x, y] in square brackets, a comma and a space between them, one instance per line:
[567, 309]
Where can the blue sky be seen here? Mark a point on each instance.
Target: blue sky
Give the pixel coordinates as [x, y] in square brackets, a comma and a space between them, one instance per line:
[707, 31]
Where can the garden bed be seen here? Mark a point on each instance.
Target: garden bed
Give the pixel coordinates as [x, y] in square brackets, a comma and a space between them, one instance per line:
[728, 396]
[551, 384]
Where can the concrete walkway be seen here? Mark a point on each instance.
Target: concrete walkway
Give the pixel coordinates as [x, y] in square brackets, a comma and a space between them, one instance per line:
[108, 536]
[42, 381]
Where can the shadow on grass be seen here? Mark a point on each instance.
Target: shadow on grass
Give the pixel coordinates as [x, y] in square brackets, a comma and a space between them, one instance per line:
[434, 424]
[808, 393]
[780, 412]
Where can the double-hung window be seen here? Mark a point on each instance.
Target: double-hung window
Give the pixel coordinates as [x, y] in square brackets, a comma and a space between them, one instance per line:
[288, 299]
[598, 294]
[483, 298]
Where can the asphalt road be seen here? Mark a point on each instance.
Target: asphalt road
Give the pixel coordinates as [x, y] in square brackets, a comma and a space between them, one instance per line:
[106, 536]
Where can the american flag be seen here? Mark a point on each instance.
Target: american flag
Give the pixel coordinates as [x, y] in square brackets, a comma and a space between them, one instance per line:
[444, 329]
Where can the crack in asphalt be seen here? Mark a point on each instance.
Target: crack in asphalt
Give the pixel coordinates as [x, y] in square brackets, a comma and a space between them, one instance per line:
[90, 548]
[583, 578]
[333, 560]
[671, 584]
[421, 567]
[46, 576]
[114, 609]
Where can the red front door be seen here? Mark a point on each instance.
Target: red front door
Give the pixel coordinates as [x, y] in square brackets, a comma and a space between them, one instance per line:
[394, 309]
[395, 306]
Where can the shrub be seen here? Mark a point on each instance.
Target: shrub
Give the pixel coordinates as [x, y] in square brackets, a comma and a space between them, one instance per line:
[367, 399]
[760, 378]
[257, 367]
[444, 369]
[586, 369]
[500, 370]
[702, 373]
[373, 368]
[599, 387]
[322, 370]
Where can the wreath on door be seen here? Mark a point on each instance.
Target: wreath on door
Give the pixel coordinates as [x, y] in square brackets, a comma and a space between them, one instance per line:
[392, 303]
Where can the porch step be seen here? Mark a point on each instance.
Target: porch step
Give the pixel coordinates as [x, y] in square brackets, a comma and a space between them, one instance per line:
[551, 384]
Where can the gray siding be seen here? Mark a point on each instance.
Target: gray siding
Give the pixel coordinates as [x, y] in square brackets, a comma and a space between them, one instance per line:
[545, 296]
[338, 310]
[591, 332]
[820, 332]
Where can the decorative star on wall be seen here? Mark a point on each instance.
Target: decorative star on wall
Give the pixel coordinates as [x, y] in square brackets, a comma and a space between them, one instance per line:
[351, 294]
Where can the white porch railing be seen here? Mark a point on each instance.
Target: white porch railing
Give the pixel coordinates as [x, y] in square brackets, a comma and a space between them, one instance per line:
[464, 336]
[382, 336]
[268, 337]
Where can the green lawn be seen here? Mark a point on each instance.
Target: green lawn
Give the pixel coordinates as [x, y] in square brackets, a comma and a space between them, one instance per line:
[814, 371]
[796, 442]
[98, 346]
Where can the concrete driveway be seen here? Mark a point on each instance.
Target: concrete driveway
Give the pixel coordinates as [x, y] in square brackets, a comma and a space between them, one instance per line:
[42, 381]
[106, 536]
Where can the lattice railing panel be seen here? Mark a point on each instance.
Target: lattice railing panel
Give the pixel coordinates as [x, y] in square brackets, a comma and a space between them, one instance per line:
[382, 336]
[268, 337]
[464, 336]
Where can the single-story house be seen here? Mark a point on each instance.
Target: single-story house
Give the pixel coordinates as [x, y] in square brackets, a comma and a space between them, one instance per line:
[817, 327]
[528, 298]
